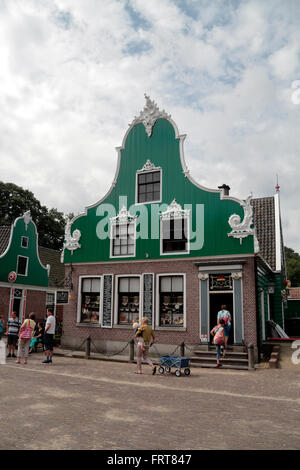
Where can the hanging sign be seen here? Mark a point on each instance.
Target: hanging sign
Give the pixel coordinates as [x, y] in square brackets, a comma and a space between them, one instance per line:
[12, 276]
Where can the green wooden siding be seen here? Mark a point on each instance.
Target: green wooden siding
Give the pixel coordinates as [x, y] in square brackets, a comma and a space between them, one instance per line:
[163, 150]
[37, 274]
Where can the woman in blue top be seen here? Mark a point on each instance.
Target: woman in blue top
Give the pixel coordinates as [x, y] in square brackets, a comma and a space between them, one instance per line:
[225, 315]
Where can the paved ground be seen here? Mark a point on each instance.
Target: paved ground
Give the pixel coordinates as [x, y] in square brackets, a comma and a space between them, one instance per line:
[90, 404]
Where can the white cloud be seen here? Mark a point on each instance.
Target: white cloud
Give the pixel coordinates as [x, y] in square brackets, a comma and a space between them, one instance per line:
[73, 74]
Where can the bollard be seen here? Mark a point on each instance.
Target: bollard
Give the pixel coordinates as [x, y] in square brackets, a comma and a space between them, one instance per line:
[131, 350]
[182, 349]
[251, 357]
[88, 347]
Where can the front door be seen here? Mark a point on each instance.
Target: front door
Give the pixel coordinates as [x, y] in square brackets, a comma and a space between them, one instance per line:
[215, 302]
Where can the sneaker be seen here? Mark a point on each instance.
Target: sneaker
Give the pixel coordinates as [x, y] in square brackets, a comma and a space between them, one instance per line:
[13, 355]
[45, 361]
[8, 355]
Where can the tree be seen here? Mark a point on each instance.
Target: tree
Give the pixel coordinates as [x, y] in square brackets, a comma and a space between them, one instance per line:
[15, 201]
[292, 266]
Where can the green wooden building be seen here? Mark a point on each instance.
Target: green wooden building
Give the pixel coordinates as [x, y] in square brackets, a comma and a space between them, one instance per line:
[160, 245]
[30, 275]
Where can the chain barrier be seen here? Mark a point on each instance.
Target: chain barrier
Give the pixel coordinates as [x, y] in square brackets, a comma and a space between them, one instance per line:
[110, 355]
[154, 347]
[77, 348]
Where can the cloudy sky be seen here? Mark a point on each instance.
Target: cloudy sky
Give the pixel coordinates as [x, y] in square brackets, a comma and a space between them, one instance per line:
[73, 74]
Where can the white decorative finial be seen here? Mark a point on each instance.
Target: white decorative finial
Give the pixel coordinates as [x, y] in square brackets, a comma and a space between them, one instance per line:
[149, 115]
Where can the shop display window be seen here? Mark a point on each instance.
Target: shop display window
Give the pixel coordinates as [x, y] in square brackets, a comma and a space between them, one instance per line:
[174, 235]
[90, 300]
[128, 300]
[171, 301]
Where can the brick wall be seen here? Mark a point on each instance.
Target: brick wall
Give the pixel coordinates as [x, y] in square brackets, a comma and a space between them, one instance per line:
[4, 302]
[74, 333]
[249, 302]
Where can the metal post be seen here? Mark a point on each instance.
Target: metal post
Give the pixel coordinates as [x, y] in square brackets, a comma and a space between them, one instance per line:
[131, 350]
[182, 349]
[251, 357]
[88, 347]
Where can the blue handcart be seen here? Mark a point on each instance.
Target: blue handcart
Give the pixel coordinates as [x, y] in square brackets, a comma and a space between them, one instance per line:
[167, 362]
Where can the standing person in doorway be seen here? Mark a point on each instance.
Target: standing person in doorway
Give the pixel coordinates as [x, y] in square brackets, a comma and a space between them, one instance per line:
[144, 331]
[25, 335]
[225, 315]
[12, 331]
[49, 333]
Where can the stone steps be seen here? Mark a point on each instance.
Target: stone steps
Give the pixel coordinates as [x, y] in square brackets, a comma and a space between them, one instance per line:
[236, 358]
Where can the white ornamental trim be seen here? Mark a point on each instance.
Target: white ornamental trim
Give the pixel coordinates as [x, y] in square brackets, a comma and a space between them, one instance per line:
[203, 276]
[27, 219]
[71, 241]
[175, 210]
[242, 229]
[123, 216]
[149, 166]
[236, 275]
[149, 115]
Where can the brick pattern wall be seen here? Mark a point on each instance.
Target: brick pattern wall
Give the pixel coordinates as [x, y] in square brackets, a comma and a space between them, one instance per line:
[249, 302]
[171, 337]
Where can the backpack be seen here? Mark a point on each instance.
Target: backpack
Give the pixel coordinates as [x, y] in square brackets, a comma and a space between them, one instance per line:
[219, 336]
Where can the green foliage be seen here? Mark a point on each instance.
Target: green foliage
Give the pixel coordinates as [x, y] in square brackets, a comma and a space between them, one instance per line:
[292, 266]
[15, 201]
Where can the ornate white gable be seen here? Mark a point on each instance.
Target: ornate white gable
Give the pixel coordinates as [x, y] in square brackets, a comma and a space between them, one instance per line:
[149, 115]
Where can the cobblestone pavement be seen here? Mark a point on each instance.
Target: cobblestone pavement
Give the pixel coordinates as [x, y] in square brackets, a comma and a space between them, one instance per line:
[87, 404]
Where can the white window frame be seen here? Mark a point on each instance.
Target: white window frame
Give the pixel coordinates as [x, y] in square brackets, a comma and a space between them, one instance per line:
[27, 262]
[113, 224]
[80, 283]
[144, 172]
[187, 252]
[157, 314]
[115, 316]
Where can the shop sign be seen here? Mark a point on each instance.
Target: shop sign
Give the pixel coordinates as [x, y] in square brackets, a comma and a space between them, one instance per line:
[12, 276]
[62, 297]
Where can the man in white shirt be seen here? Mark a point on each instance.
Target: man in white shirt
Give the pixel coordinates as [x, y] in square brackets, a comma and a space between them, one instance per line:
[49, 333]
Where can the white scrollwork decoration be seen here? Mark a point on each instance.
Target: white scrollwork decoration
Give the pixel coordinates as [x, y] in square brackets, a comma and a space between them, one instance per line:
[123, 217]
[237, 275]
[149, 166]
[203, 276]
[242, 229]
[27, 219]
[71, 241]
[149, 115]
[175, 210]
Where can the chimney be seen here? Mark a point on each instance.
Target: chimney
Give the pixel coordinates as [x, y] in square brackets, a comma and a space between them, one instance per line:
[225, 188]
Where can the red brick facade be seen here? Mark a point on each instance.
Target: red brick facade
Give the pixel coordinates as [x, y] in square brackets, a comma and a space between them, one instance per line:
[75, 333]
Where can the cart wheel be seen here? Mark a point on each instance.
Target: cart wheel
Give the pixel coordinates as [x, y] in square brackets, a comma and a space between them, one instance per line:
[161, 370]
[187, 371]
[178, 373]
[168, 369]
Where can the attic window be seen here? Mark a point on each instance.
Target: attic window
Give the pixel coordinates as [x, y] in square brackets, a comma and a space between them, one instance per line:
[24, 242]
[148, 187]
[22, 266]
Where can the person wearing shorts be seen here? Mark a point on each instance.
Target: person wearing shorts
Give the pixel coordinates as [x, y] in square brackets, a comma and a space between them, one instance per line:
[225, 315]
[48, 337]
[13, 326]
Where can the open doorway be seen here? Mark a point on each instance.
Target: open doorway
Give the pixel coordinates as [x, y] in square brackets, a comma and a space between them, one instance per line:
[215, 302]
